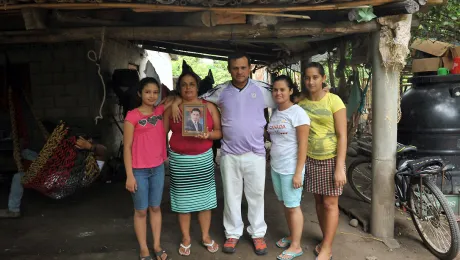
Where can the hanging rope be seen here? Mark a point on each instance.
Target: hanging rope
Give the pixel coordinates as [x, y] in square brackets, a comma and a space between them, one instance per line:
[14, 131]
[46, 153]
[92, 56]
[41, 127]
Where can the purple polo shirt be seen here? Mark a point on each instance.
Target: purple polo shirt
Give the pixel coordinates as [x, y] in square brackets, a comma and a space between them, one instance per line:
[242, 115]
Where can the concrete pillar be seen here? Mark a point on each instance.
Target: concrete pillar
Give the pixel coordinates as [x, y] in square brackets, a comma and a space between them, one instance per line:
[385, 93]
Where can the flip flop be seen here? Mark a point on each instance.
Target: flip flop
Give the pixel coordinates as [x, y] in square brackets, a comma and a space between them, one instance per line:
[329, 258]
[284, 241]
[210, 246]
[290, 255]
[160, 253]
[145, 258]
[185, 250]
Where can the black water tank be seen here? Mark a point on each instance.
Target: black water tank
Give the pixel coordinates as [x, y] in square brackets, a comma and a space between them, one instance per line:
[431, 120]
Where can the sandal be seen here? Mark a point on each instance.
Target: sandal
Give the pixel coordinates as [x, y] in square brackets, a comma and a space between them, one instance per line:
[160, 253]
[145, 258]
[211, 247]
[317, 249]
[283, 242]
[186, 250]
[290, 255]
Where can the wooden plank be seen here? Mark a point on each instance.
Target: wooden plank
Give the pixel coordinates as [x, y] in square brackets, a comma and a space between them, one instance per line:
[77, 19]
[217, 33]
[178, 8]
[34, 19]
[296, 16]
[222, 18]
[195, 19]
[209, 19]
[435, 2]
[203, 47]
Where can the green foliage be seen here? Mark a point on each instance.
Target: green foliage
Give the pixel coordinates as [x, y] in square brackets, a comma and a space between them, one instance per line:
[441, 22]
[201, 67]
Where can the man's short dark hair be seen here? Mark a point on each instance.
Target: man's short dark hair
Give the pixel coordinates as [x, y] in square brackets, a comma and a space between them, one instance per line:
[196, 109]
[238, 55]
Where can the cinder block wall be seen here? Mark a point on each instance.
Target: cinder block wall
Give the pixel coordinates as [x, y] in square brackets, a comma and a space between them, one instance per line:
[65, 84]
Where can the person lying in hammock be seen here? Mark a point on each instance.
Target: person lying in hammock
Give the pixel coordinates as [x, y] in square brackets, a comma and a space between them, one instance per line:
[17, 190]
[98, 149]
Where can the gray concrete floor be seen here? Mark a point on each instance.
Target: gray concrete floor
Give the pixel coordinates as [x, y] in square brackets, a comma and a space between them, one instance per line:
[97, 223]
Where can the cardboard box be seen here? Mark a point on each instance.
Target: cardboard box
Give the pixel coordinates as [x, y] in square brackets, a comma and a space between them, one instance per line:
[455, 51]
[429, 64]
[442, 55]
[435, 48]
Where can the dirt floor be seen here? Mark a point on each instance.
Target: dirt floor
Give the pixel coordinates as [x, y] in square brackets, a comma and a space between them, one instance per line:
[97, 223]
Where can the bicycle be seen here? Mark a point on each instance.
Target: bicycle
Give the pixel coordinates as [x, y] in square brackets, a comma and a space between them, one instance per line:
[416, 192]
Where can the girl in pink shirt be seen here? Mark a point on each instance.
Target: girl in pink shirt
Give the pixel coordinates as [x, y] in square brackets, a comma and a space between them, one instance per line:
[144, 141]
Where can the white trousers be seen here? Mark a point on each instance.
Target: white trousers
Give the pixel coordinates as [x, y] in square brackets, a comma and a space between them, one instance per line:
[246, 171]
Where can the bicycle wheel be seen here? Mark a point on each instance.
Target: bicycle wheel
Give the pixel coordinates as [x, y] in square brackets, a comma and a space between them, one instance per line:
[359, 176]
[436, 222]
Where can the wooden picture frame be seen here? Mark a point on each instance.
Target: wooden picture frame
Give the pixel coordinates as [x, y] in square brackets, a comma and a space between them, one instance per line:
[191, 125]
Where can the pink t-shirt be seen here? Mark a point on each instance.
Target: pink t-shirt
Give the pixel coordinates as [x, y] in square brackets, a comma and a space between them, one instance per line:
[149, 141]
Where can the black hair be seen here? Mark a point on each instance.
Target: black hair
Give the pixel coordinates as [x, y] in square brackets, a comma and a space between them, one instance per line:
[290, 84]
[320, 70]
[189, 73]
[316, 65]
[145, 81]
[238, 55]
[195, 109]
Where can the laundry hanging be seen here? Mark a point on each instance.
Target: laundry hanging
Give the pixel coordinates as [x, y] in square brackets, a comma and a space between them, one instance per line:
[354, 100]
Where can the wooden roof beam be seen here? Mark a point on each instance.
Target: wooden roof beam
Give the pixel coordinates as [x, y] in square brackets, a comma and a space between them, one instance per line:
[217, 49]
[201, 55]
[178, 8]
[209, 51]
[217, 33]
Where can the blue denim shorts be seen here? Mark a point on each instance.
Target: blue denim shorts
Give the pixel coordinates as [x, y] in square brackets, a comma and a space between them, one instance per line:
[150, 183]
[284, 189]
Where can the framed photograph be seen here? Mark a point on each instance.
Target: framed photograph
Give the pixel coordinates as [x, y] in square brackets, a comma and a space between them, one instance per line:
[193, 119]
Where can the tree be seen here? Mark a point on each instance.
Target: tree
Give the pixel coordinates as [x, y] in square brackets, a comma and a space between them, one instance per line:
[441, 22]
[201, 67]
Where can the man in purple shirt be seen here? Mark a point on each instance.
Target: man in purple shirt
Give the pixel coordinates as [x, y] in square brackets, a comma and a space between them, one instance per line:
[242, 102]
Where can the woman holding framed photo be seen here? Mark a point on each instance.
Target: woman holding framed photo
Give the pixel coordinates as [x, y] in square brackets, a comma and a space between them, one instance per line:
[193, 187]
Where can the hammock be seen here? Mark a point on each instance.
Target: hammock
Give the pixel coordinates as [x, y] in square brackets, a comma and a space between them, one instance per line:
[60, 169]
